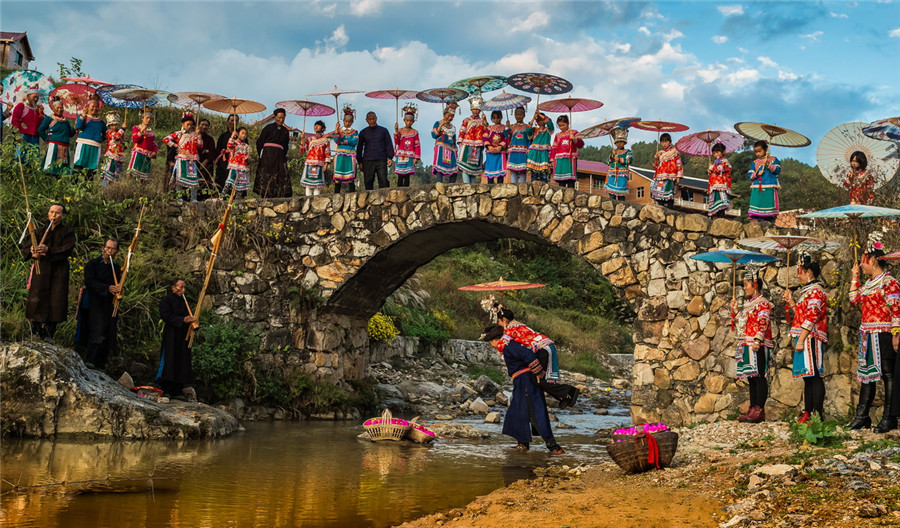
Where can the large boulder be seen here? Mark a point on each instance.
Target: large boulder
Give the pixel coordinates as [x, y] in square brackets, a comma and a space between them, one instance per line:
[48, 391]
[486, 386]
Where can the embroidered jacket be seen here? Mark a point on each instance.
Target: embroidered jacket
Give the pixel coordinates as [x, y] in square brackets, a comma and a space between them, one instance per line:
[346, 141]
[763, 174]
[407, 144]
[524, 335]
[318, 150]
[811, 312]
[753, 323]
[471, 131]
[495, 136]
[720, 175]
[619, 160]
[519, 138]
[566, 145]
[861, 185]
[238, 154]
[880, 301]
[188, 144]
[56, 129]
[91, 129]
[115, 144]
[144, 142]
[26, 119]
[667, 164]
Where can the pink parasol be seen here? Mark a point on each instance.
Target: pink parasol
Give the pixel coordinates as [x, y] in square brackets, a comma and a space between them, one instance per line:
[569, 104]
[335, 92]
[701, 143]
[74, 98]
[305, 108]
[605, 128]
[891, 256]
[501, 285]
[660, 127]
[396, 94]
[87, 79]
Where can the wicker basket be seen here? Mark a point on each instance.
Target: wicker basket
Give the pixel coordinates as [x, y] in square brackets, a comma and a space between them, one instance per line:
[386, 427]
[631, 454]
[419, 433]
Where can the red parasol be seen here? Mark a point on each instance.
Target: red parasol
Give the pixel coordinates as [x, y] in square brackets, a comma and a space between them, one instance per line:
[305, 108]
[336, 92]
[891, 256]
[701, 143]
[660, 127]
[87, 79]
[396, 94]
[569, 104]
[74, 98]
[501, 285]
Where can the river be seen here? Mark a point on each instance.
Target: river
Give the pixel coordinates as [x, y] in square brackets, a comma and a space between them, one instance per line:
[276, 474]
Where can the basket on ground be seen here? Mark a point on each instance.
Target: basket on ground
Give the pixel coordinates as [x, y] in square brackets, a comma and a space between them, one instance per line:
[633, 452]
[386, 427]
[419, 433]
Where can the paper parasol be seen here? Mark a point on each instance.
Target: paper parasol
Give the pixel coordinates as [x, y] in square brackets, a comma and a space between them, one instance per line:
[305, 108]
[335, 92]
[735, 256]
[891, 256]
[604, 128]
[787, 243]
[501, 285]
[105, 95]
[833, 154]
[16, 83]
[144, 96]
[884, 129]
[540, 83]
[442, 95]
[396, 94]
[773, 134]
[660, 126]
[852, 212]
[233, 105]
[505, 101]
[87, 79]
[569, 104]
[74, 98]
[701, 143]
[188, 99]
[480, 84]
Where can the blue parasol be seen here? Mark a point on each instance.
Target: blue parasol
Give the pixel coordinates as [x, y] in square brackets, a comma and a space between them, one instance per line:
[480, 84]
[735, 256]
[105, 95]
[852, 212]
[884, 129]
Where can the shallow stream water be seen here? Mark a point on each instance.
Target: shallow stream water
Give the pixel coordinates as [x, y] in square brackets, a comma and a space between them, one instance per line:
[284, 474]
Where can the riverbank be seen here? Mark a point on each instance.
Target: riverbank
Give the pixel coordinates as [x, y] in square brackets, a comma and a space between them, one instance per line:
[725, 474]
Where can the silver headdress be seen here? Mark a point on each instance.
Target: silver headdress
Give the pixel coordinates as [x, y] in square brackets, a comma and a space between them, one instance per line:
[475, 102]
[620, 134]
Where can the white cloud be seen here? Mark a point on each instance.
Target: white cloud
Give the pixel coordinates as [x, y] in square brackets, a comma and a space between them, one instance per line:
[644, 30]
[743, 50]
[832, 14]
[338, 38]
[730, 10]
[673, 90]
[766, 61]
[719, 39]
[535, 20]
[672, 35]
[894, 33]
[787, 76]
[814, 36]
[651, 13]
[365, 7]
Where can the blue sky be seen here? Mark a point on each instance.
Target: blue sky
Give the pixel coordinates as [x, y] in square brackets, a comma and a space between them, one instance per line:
[808, 66]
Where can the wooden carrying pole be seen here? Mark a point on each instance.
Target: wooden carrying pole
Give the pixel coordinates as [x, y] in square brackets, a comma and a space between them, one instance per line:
[131, 250]
[31, 228]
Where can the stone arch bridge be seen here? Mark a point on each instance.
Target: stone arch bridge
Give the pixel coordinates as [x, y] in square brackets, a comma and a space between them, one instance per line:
[324, 265]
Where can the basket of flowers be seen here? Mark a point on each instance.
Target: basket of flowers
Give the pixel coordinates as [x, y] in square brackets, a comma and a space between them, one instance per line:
[643, 447]
[386, 427]
[419, 433]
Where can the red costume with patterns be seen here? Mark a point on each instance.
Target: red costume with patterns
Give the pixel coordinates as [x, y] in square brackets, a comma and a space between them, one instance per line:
[188, 144]
[757, 327]
[115, 146]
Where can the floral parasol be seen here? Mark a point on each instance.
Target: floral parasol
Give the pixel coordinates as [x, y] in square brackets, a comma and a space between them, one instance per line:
[16, 83]
[505, 101]
[144, 96]
[105, 95]
[603, 129]
[540, 83]
[442, 95]
[884, 129]
[233, 105]
[74, 98]
[701, 143]
[480, 84]
[835, 149]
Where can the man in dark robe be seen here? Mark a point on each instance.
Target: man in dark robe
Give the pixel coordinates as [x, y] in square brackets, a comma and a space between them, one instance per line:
[272, 179]
[97, 328]
[221, 160]
[207, 162]
[48, 292]
[174, 372]
[527, 411]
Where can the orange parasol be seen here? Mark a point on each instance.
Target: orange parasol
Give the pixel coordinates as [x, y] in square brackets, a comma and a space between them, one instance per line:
[501, 285]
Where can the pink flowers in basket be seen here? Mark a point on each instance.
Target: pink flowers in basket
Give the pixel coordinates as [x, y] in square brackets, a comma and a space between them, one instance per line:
[394, 421]
[423, 429]
[643, 428]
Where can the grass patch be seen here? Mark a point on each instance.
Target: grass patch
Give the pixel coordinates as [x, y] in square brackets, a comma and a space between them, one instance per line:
[475, 371]
[584, 362]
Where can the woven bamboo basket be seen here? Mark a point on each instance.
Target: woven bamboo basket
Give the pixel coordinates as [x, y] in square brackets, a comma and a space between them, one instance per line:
[419, 433]
[632, 452]
[386, 427]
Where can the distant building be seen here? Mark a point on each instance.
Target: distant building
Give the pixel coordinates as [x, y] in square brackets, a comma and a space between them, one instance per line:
[15, 51]
[691, 195]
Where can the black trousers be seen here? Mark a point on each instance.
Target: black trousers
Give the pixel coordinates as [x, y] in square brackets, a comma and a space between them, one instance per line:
[759, 386]
[373, 168]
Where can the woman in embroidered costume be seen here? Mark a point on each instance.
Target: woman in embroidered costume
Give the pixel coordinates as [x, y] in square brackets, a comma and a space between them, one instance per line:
[718, 200]
[754, 347]
[238, 152]
[114, 157]
[527, 407]
[318, 154]
[27, 117]
[538, 163]
[764, 185]
[619, 161]
[57, 132]
[187, 143]
[668, 172]
[144, 148]
[879, 337]
[809, 328]
[443, 132]
[471, 137]
[564, 153]
[859, 181]
[407, 147]
[545, 350]
[91, 133]
[517, 151]
[345, 138]
[495, 142]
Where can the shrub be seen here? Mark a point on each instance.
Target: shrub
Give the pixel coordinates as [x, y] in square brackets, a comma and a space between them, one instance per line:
[381, 328]
[817, 433]
[218, 357]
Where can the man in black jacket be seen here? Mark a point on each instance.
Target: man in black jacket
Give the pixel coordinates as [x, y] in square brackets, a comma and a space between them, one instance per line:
[375, 152]
[97, 328]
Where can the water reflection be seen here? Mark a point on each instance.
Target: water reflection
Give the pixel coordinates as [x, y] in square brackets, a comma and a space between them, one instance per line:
[276, 474]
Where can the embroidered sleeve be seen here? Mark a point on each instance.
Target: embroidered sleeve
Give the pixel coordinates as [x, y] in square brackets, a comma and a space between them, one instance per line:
[814, 309]
[762, 317]
[892, 296]
[855, 297]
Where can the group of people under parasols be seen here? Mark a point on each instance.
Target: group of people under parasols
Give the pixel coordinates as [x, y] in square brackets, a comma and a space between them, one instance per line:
[879, 300]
